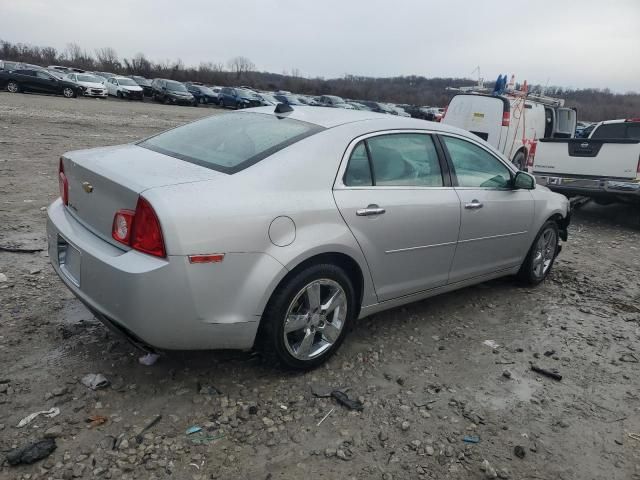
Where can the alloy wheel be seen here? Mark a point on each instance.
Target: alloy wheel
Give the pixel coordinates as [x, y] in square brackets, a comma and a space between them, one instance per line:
[315, 319]
[68, 92]
[13, 87]
[544, 252]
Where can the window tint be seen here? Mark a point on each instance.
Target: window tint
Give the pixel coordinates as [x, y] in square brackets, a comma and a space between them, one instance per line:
[405, 159]
[358, 173]
[231, 142]
[633, 131]
[612, 130]
[43, 75]
[475, 167]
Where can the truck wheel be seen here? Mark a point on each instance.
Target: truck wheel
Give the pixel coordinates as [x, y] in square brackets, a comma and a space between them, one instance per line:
[520, 160]
[541, 256]
[307, 317]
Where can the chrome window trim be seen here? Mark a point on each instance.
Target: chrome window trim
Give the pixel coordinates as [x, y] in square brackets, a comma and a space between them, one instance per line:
[339, 181]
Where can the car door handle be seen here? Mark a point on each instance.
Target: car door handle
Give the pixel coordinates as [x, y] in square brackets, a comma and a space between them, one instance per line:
[370, 210]
[473, 205]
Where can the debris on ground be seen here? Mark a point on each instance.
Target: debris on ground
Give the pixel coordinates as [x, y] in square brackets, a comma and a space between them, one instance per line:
[548, 373]
[343, 399]
[629, 358]
[6, 248]
[149, 359]
[3, 278]
[489, 471]
[471, 439]
[321, 391]
[52, 412]
[325, 417]
[506, 374]
[32, 453]
[96, 420]
[194, 429]
[139, 436]
[519, 451]
[95, 381]
[491, 343]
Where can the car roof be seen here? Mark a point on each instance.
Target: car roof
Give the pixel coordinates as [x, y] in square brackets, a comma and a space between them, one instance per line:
[333, 117]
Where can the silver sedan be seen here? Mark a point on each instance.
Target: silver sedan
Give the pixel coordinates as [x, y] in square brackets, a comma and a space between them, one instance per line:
[277, 229]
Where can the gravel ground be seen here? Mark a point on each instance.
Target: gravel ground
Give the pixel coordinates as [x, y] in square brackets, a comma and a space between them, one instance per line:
[425, 376]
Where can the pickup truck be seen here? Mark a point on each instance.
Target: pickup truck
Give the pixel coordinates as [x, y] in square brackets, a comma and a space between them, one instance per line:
[605, 166]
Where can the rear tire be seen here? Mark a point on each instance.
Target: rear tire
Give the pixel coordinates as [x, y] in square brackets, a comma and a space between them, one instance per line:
[69, 92]
[13, 87]
[314, 328]
[541, 256]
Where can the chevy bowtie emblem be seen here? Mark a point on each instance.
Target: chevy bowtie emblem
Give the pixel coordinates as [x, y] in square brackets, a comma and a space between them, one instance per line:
[87, 187]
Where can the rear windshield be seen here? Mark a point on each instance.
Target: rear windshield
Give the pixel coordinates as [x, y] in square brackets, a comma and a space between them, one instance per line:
[230, 142]
[617, 130]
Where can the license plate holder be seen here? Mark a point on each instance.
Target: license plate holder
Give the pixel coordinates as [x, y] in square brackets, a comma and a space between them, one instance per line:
[69, 260]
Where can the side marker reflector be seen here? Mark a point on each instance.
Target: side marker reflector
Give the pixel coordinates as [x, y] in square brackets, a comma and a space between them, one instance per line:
[212, 258]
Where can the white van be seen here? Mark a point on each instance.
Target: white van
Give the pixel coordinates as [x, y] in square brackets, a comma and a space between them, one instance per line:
[511, 123]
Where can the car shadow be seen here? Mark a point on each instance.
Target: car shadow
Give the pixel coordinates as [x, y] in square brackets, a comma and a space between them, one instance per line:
[614, 215]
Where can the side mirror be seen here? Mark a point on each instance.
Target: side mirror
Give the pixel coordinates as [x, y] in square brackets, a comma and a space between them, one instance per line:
[524, 181]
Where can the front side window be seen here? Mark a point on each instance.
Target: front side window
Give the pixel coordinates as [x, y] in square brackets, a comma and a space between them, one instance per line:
[229, 143]
[475, 167]
[395, 160]
[46, 76]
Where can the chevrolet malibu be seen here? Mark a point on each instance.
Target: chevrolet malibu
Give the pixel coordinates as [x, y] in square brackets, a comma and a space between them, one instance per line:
[277, 229]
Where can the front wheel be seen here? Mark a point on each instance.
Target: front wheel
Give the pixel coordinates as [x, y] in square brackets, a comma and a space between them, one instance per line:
[307, 317]
[69, 92]
[13, 87]
[542, 254]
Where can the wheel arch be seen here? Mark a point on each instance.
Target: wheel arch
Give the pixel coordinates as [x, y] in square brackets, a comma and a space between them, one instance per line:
[562, 222]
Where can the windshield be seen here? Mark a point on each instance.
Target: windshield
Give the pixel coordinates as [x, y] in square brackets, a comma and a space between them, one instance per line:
[176, 87]
[127, 82]
[230, 142]
[205, 90]
[88, 78]
[245, 93]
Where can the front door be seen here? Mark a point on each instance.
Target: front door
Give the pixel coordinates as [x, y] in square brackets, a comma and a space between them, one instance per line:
[46, 83]
[496, 218]
[402, 211]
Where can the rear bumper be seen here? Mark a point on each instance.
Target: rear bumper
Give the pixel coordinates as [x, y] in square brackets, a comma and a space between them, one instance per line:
[164, 303]
[592, 187]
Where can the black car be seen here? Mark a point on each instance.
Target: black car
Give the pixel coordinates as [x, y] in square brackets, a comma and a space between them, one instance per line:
[288, 100]
[145, 83]
[38, 81]
[238, 98]
[170, 91]
[377, 107]
[201, 93]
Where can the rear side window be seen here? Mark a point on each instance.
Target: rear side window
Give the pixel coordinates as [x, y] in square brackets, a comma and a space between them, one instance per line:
[403, 159]
[230, 142]
[611, 130]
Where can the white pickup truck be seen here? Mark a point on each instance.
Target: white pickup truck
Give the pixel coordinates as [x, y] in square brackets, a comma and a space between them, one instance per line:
[605, 166]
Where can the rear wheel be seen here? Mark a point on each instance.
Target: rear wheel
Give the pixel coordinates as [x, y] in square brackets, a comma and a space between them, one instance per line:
[541, 256]
[307, 317]
[13, 87]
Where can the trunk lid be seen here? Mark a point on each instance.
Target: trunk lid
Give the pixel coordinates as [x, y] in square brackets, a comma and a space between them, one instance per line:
[105, 180]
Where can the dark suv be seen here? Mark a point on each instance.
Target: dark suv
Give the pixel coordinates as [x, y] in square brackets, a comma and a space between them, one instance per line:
[238, 98]
[39, 81]
[170, 91]
[201, 93]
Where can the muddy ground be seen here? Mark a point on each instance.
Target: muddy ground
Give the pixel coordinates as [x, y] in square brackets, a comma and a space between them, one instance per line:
[425, 376]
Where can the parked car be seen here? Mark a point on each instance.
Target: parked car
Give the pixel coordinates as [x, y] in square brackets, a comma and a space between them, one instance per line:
[257, 228]
[308, 100]
[335, 102]
[268, 99]
[604, 167]
[202, 94]
[172, 92]
[106, 75]
[216, 91]
[377, 107]
[288, 99]
[91, 85]
[145, 83]
[38, 81]
[8, 65]
[238, 98]
[124, 87]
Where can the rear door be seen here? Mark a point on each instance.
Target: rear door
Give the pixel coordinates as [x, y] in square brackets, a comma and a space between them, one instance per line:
[495, 218]
[480, 115]
[396, 198]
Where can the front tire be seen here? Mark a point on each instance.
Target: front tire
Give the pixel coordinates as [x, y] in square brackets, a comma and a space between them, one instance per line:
[13, 87]
[541, 256]
[307, 317]
[69, 92]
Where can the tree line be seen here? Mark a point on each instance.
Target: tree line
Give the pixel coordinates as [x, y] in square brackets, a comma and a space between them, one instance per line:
[592, 104]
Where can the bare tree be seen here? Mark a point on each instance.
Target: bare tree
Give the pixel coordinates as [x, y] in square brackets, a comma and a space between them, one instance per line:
[108, 58]
[240, 66]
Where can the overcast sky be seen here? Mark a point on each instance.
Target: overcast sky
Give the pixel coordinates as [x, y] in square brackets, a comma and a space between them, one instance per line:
[582, 43]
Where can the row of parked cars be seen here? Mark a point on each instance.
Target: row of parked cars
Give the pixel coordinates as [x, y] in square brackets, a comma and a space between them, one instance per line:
[72, 82]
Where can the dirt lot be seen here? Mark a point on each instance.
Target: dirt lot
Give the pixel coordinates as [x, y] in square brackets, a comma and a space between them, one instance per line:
[425, 376]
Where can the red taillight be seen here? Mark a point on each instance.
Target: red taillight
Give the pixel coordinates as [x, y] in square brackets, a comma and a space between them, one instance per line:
[140, 229]
[63, 184]
[633, 119]
[638, 169]
[444, 113]
[506, 119]
[532, 154]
